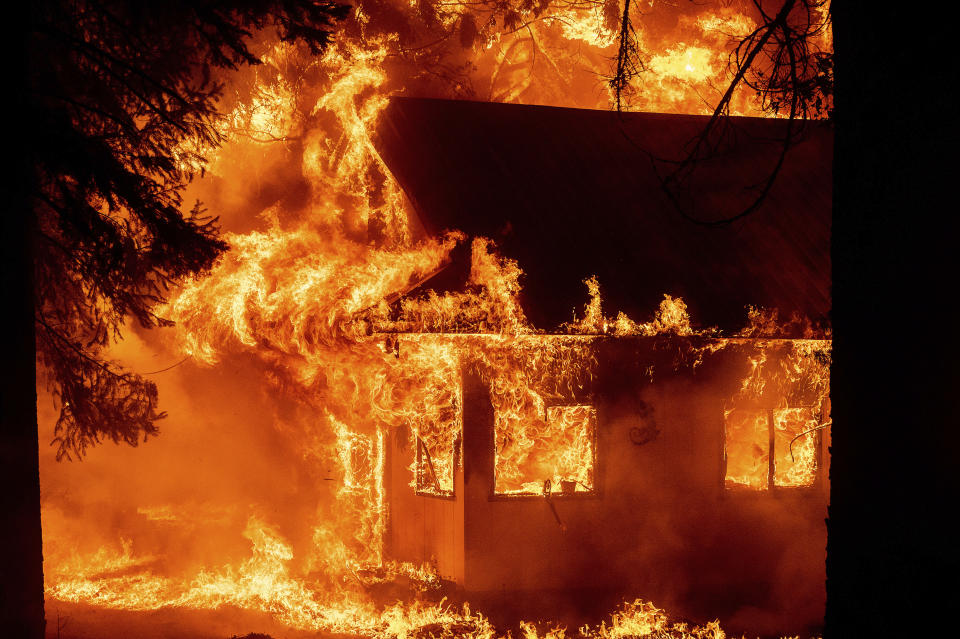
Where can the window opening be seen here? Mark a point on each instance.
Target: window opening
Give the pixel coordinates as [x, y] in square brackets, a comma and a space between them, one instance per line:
[766, 447]
[552, 453]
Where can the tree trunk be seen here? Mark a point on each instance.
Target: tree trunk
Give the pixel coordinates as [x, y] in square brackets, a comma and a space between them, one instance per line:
[21, 566]
[21, 555]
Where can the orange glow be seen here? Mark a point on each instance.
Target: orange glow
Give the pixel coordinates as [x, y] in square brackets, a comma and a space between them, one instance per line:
[747, 448]
[795, 461]
[317, 298]
[533, 441]
[780, 402]
[670, 318]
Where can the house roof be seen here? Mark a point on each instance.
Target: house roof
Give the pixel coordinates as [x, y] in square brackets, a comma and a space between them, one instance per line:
[571, 193]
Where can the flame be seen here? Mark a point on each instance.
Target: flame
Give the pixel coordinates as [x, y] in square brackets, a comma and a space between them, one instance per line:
[319, 295]
[782, 402]
[747, 448]
[535, 442]
[262, 582]
[636, 618]
[671, 318]
[589, 25]
[795, 465]
[642, 619]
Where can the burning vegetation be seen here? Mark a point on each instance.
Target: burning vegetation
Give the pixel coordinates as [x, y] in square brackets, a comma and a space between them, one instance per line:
[327, 382]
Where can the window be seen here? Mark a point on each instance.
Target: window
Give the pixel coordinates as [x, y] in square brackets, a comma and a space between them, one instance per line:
[427, 398]
[433, 471]
[553, 452]
[747, 448]
[750, 434]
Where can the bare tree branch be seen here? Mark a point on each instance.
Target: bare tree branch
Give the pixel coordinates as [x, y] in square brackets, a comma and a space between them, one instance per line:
[777, 61]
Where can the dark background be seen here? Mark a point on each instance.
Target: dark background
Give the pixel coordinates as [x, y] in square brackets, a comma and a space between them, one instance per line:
[892, 556]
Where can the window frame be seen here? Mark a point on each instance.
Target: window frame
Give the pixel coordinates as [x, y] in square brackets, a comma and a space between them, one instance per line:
[772, 487]
[593, 493]
[419, 489]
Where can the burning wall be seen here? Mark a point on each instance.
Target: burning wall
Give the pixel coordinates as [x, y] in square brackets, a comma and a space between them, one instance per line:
[666, 509]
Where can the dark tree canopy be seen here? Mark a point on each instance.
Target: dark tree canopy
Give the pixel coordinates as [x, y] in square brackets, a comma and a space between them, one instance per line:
[124, 103]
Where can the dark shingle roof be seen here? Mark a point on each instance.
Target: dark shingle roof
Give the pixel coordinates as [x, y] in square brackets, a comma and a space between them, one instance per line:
[571, 193]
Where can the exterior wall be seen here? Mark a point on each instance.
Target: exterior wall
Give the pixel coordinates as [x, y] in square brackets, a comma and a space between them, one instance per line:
[422, 527]
[660, 524]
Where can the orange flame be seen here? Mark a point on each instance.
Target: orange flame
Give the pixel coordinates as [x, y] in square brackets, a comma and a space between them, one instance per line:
[322, 302]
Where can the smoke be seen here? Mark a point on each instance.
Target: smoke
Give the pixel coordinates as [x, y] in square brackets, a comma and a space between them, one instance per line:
[273, 417]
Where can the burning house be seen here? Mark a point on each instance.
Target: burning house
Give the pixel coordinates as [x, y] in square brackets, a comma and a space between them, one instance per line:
[379, 416]
[614, 458]
[434, 368]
